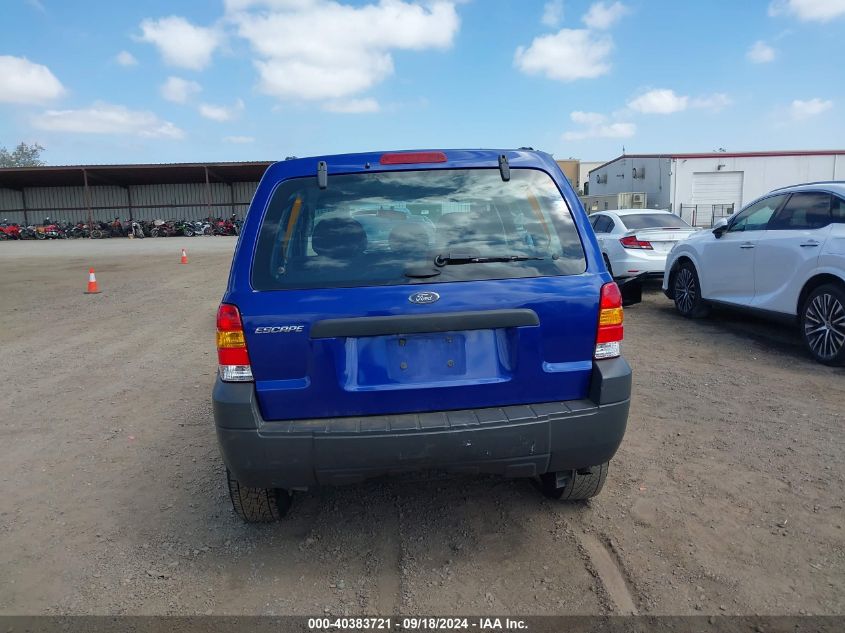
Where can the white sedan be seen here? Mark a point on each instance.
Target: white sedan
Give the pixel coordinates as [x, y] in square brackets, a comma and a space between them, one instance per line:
[636, 241]
[782, 255]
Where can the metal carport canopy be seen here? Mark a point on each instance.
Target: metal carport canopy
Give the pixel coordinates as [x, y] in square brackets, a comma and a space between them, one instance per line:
[127, 175]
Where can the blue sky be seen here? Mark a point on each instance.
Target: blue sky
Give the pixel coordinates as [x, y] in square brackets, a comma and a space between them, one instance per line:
[165, 81]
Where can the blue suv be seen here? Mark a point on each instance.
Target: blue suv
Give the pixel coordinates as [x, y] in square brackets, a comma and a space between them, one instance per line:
[445, 311]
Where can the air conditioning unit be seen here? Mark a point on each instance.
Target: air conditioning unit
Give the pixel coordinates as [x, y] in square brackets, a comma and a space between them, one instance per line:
[638, 197]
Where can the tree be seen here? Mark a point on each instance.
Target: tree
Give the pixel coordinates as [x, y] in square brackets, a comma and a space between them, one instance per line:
[24, 155]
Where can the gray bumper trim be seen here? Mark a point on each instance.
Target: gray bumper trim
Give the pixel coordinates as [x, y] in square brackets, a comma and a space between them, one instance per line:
[515, 441]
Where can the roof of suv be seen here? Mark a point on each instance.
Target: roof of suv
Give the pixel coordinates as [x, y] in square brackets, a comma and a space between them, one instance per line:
[830, 186]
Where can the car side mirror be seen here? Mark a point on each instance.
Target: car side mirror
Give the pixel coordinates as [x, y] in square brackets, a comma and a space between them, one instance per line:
[720, 227]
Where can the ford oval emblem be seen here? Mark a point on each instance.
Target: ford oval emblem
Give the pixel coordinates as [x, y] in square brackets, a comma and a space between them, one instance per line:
[424, 297]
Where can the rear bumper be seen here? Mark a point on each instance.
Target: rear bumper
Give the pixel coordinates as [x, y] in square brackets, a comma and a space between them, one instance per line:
[515, 441]
[639, 262]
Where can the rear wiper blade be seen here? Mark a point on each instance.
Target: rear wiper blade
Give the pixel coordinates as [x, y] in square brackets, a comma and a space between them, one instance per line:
[449, 259]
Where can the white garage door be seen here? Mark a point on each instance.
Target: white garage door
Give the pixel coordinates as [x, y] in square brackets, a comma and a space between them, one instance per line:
[717, 187]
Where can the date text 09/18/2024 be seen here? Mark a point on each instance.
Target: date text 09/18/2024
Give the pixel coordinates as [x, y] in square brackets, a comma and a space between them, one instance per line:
[416, 624]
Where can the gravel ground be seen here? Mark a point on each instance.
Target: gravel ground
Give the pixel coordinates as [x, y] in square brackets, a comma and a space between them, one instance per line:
[726, 495]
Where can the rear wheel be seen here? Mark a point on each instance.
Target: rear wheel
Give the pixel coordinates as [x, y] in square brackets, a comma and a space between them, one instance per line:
[257, 505]
[823, 324]
[578, 484]
[687, 293]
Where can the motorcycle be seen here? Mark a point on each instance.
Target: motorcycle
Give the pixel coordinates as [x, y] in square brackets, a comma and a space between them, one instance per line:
[135, 230]
[163, 229]
[49, 231]
[100, 230]
[202, 227]
[226, 227]
[116, 228]
[78, 230]
[9, 231]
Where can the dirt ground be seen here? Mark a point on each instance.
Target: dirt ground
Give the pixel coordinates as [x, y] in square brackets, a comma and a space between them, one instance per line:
[726, 496]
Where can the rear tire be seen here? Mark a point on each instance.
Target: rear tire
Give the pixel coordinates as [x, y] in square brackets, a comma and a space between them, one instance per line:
[686, 289]
[257, 505]
[581, 484]
[823, 324]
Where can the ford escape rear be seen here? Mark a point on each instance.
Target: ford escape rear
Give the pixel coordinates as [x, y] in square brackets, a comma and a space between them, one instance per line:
[444, 311]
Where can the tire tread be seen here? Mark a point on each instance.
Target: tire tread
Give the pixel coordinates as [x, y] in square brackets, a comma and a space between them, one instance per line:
[257, 505]
[584, 486]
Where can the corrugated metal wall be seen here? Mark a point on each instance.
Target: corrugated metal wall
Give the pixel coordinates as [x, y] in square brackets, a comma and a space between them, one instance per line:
[10, 199]
[189, 201]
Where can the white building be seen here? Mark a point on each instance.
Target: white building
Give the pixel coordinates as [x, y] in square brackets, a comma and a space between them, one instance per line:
[711, 184]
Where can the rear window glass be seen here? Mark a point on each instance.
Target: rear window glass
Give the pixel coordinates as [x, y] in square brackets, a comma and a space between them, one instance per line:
[654, 221]
[409, 227]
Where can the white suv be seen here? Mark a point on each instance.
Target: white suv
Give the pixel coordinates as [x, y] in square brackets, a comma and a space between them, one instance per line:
[783, 254]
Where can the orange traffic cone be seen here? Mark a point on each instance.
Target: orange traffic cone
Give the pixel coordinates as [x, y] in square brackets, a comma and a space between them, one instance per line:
[93, 288]
[184, 257]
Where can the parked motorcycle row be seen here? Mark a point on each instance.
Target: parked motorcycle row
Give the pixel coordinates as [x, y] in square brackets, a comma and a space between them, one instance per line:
[50, 230]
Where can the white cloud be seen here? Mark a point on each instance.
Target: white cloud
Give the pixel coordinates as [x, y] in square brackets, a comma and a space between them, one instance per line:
[800, 110]
[106, 118]
[659, 101]
[808, 10]
[239, 140]
[329, 51]
[602, 15]
[240, 5]
[181, 43]
[221, 113]
[587, 118]
[552, 13]
[665, 101]
[125, 58]
[567, 55]
[760, 53]
[596, 125]
[352, 106]
[23, 81]
[716, 102]
[179, 90]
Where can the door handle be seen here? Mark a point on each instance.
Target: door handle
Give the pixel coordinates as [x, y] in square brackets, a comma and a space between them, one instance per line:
[809, 243]
[747, 245]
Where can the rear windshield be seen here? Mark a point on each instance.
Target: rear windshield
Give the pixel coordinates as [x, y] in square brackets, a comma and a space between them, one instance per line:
[411, 227]
[654, 221]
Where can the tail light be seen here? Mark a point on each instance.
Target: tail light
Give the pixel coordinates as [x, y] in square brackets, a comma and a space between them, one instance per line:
[632, 242]
[232, 356]
[412, 158]
[609, 334]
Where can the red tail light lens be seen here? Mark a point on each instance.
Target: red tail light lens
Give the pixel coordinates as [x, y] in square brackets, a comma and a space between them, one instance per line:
[232, 356]
[632, 242]
[412, 158]
[610, 331]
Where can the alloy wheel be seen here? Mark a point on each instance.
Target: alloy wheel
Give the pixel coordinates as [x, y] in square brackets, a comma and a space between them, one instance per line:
[685, 290]
[824, 325]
